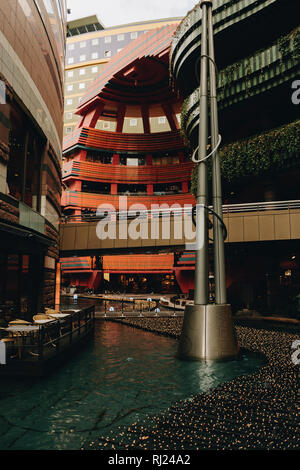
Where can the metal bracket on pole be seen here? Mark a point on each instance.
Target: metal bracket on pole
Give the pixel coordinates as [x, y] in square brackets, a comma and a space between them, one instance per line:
[210, 154]
[209, 209]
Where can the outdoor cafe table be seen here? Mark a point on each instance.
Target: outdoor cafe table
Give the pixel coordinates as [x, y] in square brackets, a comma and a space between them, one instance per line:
[23, 330]
[42, 322]
[57, 316]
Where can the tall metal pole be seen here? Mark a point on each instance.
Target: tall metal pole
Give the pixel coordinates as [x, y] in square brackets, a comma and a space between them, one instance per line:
[207, 331]
[219, 258]
[201, 268]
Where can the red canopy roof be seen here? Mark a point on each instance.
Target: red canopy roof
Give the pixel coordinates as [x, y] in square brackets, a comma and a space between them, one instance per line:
[128, 69]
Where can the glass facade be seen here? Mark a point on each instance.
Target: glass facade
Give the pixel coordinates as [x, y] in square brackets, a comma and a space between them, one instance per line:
[32, 46]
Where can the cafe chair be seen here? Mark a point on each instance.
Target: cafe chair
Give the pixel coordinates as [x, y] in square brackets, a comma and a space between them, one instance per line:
[19, 322]
[5, 336]
[48, 311]
[41, 316]
[9, 340]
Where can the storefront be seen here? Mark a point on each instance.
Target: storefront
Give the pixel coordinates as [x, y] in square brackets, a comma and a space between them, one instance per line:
[22, 272]
[138, 283]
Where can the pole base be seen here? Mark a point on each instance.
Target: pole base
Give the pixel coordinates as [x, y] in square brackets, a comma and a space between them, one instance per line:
[208, 333]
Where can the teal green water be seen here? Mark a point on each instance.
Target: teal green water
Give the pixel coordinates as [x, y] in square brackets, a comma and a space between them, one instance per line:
[124, 375]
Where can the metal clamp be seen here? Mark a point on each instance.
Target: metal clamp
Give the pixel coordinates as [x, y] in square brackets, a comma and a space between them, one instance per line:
[209, 209]
[210, 154]
[197, 66]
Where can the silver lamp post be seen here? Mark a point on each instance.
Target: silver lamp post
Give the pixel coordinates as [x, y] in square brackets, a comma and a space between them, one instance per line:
[207, 332]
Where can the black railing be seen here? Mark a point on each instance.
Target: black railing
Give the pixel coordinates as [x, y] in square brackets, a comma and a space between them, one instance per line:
[123, 307]
[41, 342]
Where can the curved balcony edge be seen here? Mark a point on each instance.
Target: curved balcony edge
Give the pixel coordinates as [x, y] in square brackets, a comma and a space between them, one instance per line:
[233, 24]
[252, 76]
[76, 199]
[117, 142]
[106, 173]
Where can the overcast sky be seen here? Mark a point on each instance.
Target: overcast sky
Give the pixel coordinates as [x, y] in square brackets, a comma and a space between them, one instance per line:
[115, 12]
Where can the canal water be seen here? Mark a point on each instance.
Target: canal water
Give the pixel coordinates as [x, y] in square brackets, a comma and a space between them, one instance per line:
[123, 376]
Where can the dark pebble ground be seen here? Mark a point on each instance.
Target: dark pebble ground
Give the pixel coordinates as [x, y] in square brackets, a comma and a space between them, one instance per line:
[257, 411]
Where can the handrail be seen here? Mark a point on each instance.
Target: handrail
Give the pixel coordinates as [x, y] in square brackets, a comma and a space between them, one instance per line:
[227, 209]
[42, 342]
[126, 142]
[261, 206]
[93, 200]
[96, 171]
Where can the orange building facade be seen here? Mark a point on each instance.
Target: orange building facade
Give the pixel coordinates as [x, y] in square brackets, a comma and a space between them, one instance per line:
[142, 158]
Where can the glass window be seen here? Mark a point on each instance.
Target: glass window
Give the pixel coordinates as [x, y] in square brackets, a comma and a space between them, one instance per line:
[69, 115]
[68, 130]
[23, 173]
[69, 101]
[95, 55]
[95, 42]
[70, 74]
[94, 69]
[70, 87]
[133, 122]
[82, 58]
[81, 86]
[82, 71]
[71, 47]
[120, 37]
[107, 39]
[132, 161]
[134, 35]
[71, 60]
[162, 120]
[82, 44]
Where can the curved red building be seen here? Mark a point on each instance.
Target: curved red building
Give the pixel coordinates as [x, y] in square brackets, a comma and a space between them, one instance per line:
[141, 157]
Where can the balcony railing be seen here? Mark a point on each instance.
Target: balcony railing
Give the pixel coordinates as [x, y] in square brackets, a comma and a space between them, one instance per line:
[93, 201]
[87, 137]
[90, 171]
[31, 219]
[261, 206]
[264, 70]
[33, 344]
[227, 209]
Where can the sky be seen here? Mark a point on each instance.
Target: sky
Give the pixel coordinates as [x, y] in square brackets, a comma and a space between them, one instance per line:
[115, 12]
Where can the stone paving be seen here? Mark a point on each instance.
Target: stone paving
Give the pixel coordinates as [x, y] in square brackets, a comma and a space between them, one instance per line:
[257, 411]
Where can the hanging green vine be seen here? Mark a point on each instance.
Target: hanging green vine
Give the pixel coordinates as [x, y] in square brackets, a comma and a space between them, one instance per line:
[296, 45]
[266, 153]
[288, 47]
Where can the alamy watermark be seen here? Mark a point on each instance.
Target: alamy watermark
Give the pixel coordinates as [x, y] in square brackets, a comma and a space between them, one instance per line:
[296, 353]
[2, 92]
[296, 93]
[161, 222]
